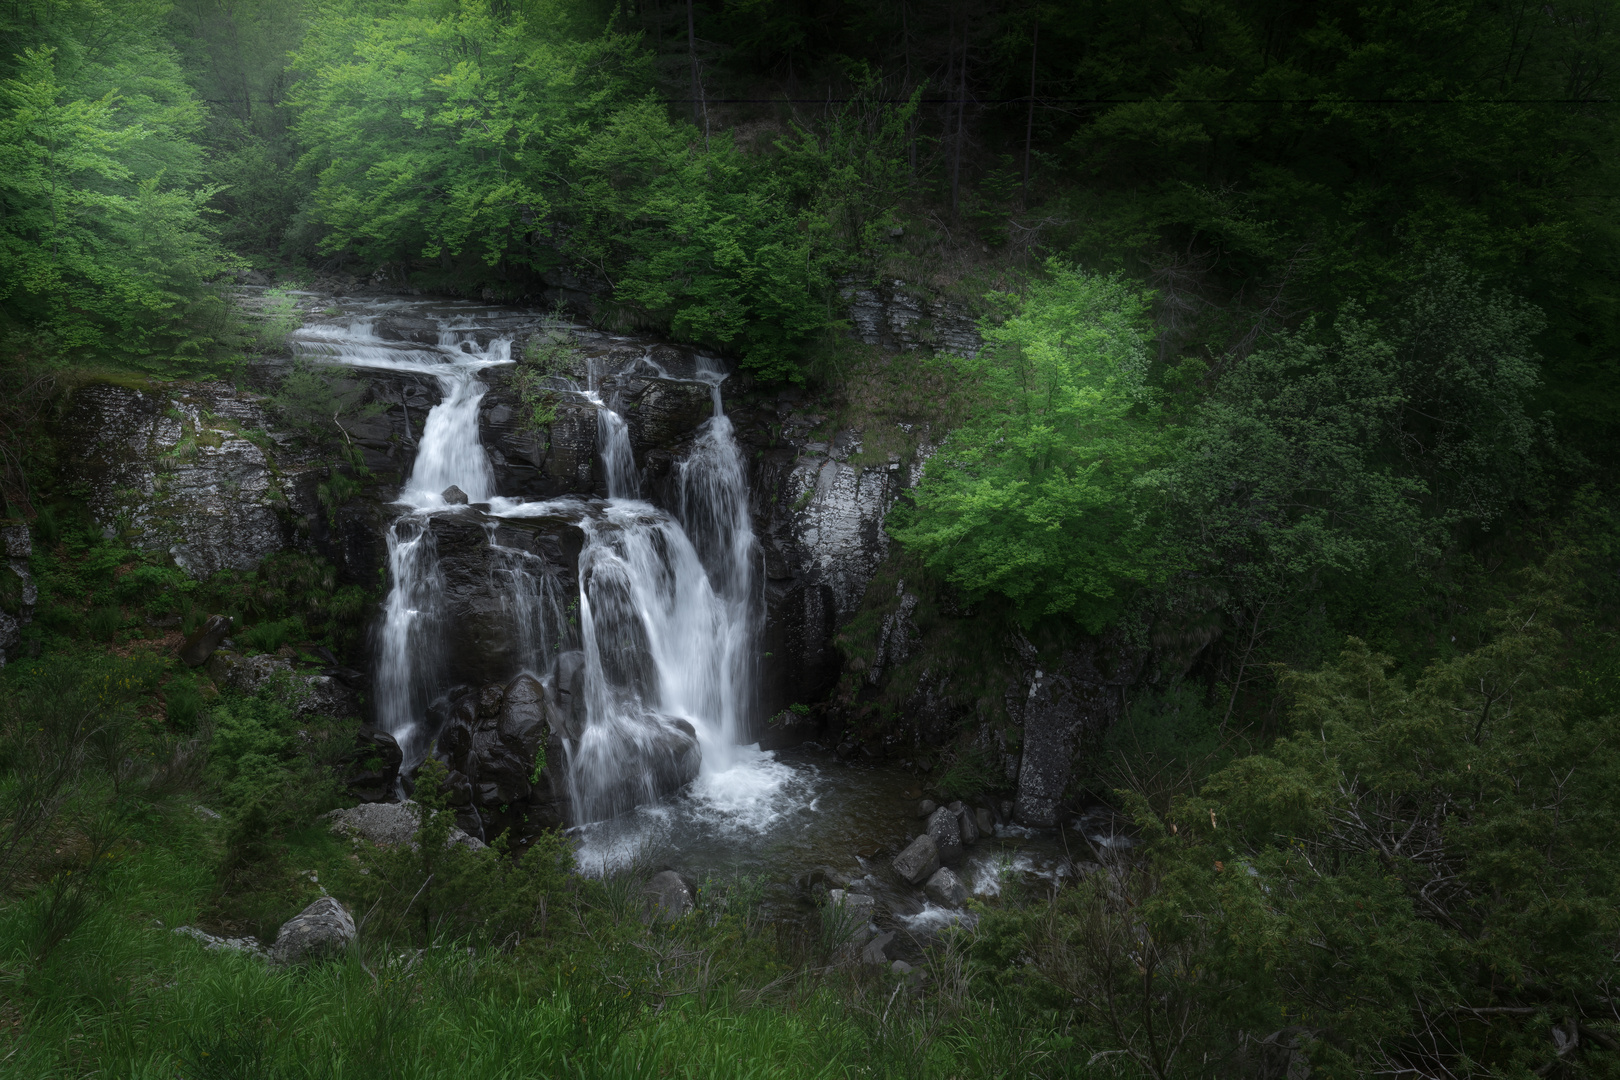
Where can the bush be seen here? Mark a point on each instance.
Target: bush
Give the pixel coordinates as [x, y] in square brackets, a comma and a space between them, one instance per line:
[183, 704]
[103, 623]
[270, 636]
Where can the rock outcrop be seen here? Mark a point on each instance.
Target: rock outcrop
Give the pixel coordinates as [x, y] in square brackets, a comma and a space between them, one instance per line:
[321, 931]
[187, 469]
[896, 315]
[18, 593]
[667, 898]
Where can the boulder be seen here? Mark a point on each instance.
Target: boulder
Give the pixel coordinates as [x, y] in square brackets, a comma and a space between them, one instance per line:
[321, 930]
[874, 951]
[388, 823]
[454, 496]
[859, 906]
[668, 898]
[945, 888]
[489, 700]
[374, 765]
[967, 825]
[520, 708]
[245, 674]
[328, 696]
[197, 648]
[926, 808]
[919, 861]
[986, 823]
[947, 835]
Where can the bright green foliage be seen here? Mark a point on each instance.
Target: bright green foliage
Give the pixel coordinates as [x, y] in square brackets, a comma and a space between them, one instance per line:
[103, 238]
[447, 132]
[1034, 497]
[439, 127]
[699, 237]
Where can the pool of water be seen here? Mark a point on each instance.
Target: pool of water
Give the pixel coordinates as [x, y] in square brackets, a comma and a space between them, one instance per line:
[797, 819]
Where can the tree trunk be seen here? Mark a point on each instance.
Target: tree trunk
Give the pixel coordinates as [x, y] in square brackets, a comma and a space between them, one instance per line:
[961, 124]
[1029, 123]
[691, 51]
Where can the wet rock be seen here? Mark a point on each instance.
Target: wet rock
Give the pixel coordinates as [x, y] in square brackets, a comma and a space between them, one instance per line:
[926, 808]
[919, 861]
[489, 700]
[818, 881]
[874, 951]
[538, 463]
[986, 823]
[947, 836]
[454, 496]
[668, 898]
[648, 757]
[320, 931]
[968, 825]
[945, 888]
[374, 765]
[388, 824]
[481, 639]
[788, 729]
[522, 715]
[407, 328]
[858, 907]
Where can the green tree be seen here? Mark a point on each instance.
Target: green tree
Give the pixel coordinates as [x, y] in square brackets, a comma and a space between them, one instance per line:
[1034, 497]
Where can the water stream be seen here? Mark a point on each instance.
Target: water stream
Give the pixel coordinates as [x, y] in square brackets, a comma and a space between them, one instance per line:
[670, 613]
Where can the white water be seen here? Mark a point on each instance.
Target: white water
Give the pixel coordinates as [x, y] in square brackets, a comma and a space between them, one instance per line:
[670, 605]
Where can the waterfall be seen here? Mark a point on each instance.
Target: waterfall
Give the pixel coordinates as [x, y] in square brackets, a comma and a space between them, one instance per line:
[670, 603]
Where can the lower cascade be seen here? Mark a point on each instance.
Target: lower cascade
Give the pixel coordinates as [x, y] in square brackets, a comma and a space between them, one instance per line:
[615, 638]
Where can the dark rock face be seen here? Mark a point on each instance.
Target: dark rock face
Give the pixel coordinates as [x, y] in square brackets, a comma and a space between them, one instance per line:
[946, 833]
[558, 460]
[1083, 690]
[899, 316]
[482, 638]
[493, 759]
[197, 648]
[18, 593]
[173, 471]
[374, 765]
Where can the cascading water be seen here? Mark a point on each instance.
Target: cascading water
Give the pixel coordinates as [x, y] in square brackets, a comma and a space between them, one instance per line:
[669, 604]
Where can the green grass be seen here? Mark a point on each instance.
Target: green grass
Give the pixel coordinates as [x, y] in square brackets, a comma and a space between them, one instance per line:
[125, 996]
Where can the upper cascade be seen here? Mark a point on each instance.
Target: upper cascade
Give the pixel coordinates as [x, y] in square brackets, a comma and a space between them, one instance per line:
[662, 649]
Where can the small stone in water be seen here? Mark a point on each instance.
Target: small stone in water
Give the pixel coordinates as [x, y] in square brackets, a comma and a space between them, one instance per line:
[918, 861]
[945, 888]
[454, 496]
[926, 807]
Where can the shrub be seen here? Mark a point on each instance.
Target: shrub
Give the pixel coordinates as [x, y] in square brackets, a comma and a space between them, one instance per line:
[270, 636]
[102, 623]
[183, 704]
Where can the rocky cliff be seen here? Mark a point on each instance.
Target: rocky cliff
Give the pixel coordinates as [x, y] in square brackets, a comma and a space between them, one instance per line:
[203, 472]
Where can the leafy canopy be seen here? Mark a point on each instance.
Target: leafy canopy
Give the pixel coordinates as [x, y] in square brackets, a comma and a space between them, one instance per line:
[1034, 497]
